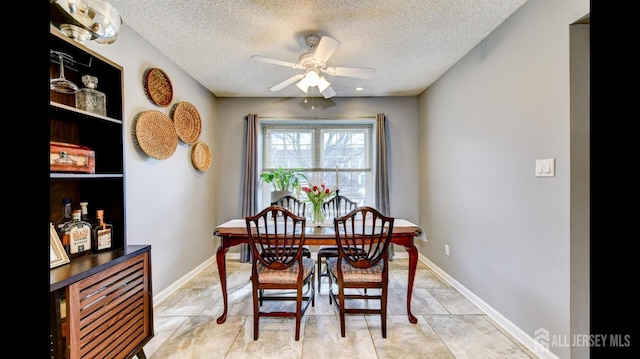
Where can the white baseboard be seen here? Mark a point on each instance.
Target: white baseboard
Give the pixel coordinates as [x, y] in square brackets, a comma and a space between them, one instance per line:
[159, 297]
[507, 325]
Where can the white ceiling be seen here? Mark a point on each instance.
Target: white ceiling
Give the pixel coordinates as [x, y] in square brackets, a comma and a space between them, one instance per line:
[410, 43]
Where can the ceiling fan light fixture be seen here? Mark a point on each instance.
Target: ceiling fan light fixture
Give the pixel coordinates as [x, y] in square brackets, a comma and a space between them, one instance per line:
[323, 84]
[328, 92]
[312, 78]
[303, 85]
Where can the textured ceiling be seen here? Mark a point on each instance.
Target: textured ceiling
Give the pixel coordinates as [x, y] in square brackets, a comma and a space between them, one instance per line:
[410, 43]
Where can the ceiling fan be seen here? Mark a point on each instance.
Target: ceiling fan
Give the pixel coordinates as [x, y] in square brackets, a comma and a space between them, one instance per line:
[314, 63]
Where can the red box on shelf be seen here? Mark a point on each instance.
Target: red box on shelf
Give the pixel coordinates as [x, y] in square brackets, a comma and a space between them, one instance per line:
[67, 157]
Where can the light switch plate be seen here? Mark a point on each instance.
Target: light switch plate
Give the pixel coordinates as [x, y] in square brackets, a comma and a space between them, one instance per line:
[546, 167]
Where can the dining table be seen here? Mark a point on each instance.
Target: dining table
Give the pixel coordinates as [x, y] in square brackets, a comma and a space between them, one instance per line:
[234, 232]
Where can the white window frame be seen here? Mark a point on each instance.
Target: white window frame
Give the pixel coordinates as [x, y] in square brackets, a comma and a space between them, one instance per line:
[363, 196]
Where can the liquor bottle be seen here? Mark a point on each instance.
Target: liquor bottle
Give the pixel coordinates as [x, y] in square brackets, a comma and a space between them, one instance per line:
[66, 211]
[84, 211]
[78, 234]
[90, 99]
[102, 233]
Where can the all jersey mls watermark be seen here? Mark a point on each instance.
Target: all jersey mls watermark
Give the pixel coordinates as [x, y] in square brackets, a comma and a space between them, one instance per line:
[545, 340]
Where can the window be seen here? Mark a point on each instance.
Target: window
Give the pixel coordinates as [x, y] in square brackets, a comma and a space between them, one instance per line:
[327, 152]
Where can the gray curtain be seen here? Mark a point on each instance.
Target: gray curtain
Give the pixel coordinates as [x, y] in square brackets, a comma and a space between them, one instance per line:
[382, 178]
[250, 183]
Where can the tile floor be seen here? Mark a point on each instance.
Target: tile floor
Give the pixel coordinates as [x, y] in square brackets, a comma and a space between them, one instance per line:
[449, 325]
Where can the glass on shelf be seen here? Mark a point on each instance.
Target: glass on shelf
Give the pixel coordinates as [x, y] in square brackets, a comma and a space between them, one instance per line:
[60, 83]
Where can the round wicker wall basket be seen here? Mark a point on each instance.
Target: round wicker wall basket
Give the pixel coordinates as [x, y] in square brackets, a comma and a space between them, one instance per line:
[186, 119]
[156, 135]
[201, 156]
[157, 86]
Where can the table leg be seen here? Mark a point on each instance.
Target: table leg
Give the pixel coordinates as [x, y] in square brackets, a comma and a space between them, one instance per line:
[413, 264]
[222, 271]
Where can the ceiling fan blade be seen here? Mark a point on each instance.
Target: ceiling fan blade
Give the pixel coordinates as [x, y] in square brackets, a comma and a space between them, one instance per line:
[326, 47]
[286, 82]
[269, 60]
[328, 92]
[357, 72]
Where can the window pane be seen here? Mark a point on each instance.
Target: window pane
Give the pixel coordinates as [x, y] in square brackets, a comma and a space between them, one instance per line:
[287, 148]
[347, 148]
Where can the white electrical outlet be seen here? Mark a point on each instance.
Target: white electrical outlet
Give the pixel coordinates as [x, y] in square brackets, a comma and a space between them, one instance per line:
[446, 249]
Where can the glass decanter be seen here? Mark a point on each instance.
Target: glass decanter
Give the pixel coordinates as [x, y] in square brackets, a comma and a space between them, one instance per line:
[90, 99]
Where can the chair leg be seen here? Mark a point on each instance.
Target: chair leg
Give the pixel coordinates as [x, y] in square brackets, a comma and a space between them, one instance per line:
[298, 314]
[256, 314]
[342, 309]
[319, 272]
[383, 314]
[330, 283]
[313, 293]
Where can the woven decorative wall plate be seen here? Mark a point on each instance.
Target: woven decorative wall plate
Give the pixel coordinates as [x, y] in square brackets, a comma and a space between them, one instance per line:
[156, 134]
[157, 86]
[201, 156]
[187, 121]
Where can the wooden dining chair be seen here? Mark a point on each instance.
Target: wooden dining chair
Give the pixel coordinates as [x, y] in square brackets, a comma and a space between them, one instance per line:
[363, 237]
[291, 203]
[335, 207]
[276, 237]
[299, 208]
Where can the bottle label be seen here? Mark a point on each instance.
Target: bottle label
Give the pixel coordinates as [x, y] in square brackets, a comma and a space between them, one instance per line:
[80, 239]
[104, 239]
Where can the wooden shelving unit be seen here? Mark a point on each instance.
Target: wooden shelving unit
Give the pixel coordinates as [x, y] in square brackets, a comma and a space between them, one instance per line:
[101, 303]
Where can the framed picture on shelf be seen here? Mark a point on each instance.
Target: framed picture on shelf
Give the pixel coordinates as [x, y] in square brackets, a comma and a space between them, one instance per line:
[58, 256]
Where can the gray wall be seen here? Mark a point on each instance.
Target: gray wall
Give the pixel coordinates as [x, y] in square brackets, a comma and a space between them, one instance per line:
[482, 126]
[170, 205]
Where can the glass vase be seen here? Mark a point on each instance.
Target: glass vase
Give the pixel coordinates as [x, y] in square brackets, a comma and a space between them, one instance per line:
[317, 216]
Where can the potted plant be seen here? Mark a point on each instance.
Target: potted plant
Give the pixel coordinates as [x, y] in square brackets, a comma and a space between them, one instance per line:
[284, 181]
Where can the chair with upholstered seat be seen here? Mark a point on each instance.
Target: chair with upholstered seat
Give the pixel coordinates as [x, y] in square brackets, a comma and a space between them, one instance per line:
[276, 237]
[337, 206]
[299, 208]
[363, 237]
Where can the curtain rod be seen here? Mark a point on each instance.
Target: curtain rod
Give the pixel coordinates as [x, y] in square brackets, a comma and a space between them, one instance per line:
[312, 118]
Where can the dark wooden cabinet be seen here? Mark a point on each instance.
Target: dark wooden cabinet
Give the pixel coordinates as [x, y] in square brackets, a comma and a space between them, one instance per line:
[100, 303]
